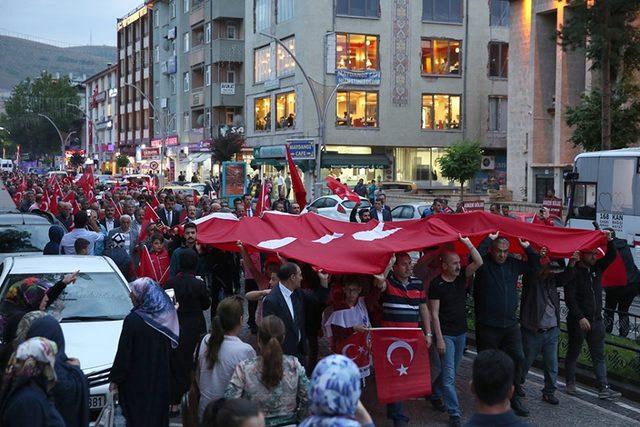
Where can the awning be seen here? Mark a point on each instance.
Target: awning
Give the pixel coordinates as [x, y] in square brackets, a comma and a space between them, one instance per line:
[199, 157]
[367, 161]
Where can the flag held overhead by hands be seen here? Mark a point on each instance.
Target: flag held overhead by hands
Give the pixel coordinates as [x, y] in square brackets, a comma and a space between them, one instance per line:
[341, 190]
[296, 182]
[401, 361]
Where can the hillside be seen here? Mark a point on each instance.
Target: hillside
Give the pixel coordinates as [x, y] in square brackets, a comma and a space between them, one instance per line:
[20, 58]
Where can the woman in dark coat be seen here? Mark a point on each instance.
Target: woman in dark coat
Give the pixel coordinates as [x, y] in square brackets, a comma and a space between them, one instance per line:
[193, 297]
[27, 384]
[71, 392]
[55, 236]
[140, 372]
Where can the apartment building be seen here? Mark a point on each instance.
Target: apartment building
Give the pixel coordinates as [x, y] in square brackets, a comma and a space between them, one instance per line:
[545, 81]
[401, 81]
[135, 74]
[198, 67]
[101, 115]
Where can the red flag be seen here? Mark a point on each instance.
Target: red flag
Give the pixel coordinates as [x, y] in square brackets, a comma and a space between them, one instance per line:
[76, 206]
[296, 182]
[155, 202]
[116, 206]
[159, 270]
[401, 360]
[615, 275]
[53, 204]
[71, 196]
[355, 348]
[150, 215]
[341, 190]
[264, 202]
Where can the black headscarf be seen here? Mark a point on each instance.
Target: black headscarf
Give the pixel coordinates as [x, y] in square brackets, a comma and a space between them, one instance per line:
[55, 236]
[188, 260]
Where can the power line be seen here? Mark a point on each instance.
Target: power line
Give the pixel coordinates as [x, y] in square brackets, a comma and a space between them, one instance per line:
[10, 33]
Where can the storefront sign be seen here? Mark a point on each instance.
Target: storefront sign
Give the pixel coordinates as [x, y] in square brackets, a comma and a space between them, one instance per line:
[358, 77]
[171, 141]
[302, 149]
[554, 205]
[473, 205]
[233, 174]
[150, 153]
[107, 124]
[270, 152]
[113, 92]
[227, 88]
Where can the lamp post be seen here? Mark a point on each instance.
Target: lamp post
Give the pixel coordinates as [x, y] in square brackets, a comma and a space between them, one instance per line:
[62, 140]
[321, 112]
[93, 126]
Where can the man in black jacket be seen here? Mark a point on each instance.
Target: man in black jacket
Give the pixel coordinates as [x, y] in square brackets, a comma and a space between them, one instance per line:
[583, 296]
[496, 301]
[540, 319]
[364, 214]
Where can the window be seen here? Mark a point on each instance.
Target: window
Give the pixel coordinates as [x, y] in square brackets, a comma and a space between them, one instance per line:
[172, 83]
[440, 112]
[440, 56]
[207, 33]
[185, 81]
[261, 15]
[366, 8]
[156, 53]
[499, 59]
[499, 14]
[231, 76]
[442, 10]
[584, 201]
[262, 70]
[185, 42]
[263, 114]
[284, 10]
[356, 52]
[185, 5]
[172, 8]
[285, 65]
[498, 113]
[357, 108]
[207, 75]
[186, 121]
[232, 32]
[156, 18]
[285, 110]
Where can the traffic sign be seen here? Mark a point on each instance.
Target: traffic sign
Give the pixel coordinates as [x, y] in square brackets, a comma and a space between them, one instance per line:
[302, 149]
[154, 165]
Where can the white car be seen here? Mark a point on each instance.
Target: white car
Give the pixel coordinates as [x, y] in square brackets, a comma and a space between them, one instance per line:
[409, 211]
[334, 207]
[90, 311]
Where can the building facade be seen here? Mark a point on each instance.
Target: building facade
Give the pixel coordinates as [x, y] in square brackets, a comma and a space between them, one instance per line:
[546, 80]
[400, 80]
[198, 67]
[101, 116]
[135, 75]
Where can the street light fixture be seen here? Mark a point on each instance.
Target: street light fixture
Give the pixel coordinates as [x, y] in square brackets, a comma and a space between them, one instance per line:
[62, 140]
[93, 125]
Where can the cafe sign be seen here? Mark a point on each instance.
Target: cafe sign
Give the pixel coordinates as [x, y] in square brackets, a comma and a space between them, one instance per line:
[362, 78]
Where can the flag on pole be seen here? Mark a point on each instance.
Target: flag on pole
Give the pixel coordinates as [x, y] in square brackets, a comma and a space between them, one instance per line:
[341, 190]
[264, 201]
[147, 268]
[296, 182]
[150, 215]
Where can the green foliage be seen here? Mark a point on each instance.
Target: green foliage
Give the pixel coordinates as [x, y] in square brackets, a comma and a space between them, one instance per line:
[225, 147]
[122, 161]
[461, 162]
[47, 96]
[77, 159]
[587, 123]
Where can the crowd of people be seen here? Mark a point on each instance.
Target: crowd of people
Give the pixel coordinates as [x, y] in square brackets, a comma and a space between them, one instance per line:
[168, 363]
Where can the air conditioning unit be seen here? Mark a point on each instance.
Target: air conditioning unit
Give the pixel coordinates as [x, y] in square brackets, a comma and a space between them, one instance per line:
[488, 162]
[164, 102]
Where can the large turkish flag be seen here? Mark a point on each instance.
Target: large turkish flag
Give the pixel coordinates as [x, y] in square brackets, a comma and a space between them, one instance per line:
[401, 361]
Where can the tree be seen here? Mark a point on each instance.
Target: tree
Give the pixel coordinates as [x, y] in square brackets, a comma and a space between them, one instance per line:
[43, 95]
[607, 31]
[77, 159]
[460, 162]
[225, 147]
[122, 161]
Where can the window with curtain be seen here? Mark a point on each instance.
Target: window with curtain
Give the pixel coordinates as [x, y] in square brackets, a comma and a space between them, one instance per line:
[498, 107]
[186, 82]
[440, 112]
[262, 64]
[261, 15]
[499, 59]
[285, 110]
[285, 65]
[364, 8]
[499, 13]
[358, 52]
[442, 10]
[357, 108]
[284, 10]
[262, 118]
[440, 56]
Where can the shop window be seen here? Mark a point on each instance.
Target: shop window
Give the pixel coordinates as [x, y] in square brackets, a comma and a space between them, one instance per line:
[364, 8]
[357, 109]
[498, 107]
[357, 52]
[284, 10]
[440, 112]
[498, 59]
[285, 110]
[285, 65]
[499, 13]
[263, 114]
[440, 56]
[261, 15]
[442, 10]
[262, 64]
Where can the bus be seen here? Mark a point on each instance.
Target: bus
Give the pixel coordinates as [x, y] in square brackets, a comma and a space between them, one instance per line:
[604, 188]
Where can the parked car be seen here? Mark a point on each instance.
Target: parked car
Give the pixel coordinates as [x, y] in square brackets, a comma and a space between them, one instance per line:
[333, 207]
[182, 189]
[399, 185]
[24, 233]
[408, 211]
[91, 310]
[59, 174]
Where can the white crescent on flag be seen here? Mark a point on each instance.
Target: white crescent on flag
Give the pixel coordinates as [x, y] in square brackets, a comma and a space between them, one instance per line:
[402, 370]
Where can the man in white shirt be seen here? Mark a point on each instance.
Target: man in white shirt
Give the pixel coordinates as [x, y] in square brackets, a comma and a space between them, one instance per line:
[81, 221]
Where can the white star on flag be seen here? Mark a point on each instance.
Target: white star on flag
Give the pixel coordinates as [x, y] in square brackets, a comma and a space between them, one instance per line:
[402, 370]
[361, 349]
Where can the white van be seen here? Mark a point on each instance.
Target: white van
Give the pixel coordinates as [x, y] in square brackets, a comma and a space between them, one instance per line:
[6, 165]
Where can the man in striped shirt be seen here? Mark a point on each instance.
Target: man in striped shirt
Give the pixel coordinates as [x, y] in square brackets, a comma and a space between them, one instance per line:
[404, 305]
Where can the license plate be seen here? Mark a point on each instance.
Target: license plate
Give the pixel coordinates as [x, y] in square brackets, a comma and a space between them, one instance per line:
[97, 401]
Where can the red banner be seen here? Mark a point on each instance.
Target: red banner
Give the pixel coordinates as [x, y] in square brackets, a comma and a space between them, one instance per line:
[401, 361]
[296, 182]
[554, 205]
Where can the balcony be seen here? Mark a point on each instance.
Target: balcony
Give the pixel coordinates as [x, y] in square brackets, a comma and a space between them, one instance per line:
[227, 9]
[197, 97]
[227, 100]
[196, 57]
[225, 50]
[197, 14]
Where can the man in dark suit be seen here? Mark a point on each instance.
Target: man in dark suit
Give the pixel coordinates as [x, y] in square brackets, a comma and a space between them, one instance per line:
[380, 212]
[169, 216]
[286, 302]
[110, 221]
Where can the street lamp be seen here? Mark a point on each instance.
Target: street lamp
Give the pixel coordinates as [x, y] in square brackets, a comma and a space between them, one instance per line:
[93, 125]
[62, 140]
[321, 111]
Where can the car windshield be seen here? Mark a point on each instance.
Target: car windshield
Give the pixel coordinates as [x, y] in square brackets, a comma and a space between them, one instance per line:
[349, 204]
[23, 238]
[94, 296]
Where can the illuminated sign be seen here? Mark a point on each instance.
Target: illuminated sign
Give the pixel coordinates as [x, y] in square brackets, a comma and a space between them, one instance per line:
[133, 17]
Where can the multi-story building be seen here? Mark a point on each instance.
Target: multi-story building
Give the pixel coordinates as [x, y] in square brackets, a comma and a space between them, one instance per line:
[415, 76]
[545, 80]
[101, 115]
[135, 116]
[198, 76]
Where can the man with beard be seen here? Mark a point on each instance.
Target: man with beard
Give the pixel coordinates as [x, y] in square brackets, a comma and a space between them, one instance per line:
[190, 236]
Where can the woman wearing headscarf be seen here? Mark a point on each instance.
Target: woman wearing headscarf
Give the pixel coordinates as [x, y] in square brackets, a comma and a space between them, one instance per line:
[27, 384]
[140, 372]
[192, 297]
[53, 245]
[334, 395]
[71, 392]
